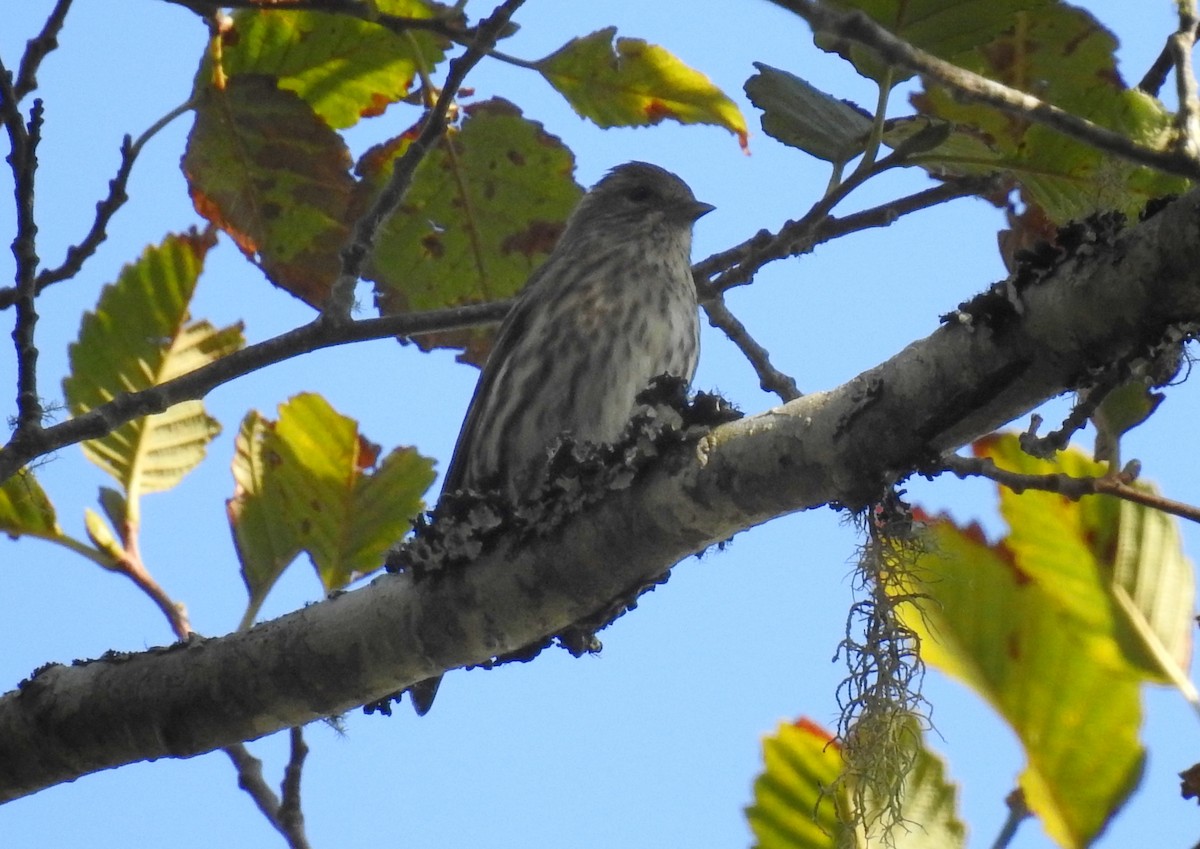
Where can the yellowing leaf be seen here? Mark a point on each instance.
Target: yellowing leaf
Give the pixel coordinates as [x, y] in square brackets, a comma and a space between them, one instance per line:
[484, 209]
[342, 67]
[310, 482]
[630, 83]
[266, 170]
[140, 336]
[797, 798]
[985, 621]
[1036, 624]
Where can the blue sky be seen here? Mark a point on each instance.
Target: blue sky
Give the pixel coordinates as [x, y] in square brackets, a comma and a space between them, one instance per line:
[656, 741]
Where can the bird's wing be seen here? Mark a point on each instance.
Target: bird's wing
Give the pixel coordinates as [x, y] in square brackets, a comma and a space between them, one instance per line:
[511, 330]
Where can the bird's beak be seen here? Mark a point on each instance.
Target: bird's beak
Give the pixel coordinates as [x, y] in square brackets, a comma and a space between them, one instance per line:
[699, 208]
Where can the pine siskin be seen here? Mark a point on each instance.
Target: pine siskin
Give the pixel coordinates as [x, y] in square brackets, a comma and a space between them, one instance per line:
[613, 307]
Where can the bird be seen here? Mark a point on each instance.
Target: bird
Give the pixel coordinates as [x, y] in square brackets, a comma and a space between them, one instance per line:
[613, 307]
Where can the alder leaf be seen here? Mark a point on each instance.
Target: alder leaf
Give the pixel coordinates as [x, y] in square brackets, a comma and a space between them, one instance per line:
[310, 482]
[1035, 624]
[342, 67]
[25, 509]
[630, 83]
[798, 795]
[270, 173]
[139, 336]
[485, 207]
[800, 115]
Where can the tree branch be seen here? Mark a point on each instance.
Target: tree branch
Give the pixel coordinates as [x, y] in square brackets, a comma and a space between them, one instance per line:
[770, 378]
[38, 48]
[858, 28]
[738, 265]
[1109, 303]
[284, 816]
[1072, 487]
[1187, 119]
[22, 159]
[313, 336]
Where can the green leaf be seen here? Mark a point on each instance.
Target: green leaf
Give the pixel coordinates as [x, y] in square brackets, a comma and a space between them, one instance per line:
[797, 798]
[343, 68]
[1116, 565]
[263, 533]
[310, 482]
[1036, 625]
[946, 28]
[1055, 51]
[484, 209]
[102, 536]
[25, 509]
[1065, 57]
[138, 337]
[266, 170]
[1123, 409]
[1075, 708]
[794, 807]
[630, 83]
[802, 116]
[114, 505]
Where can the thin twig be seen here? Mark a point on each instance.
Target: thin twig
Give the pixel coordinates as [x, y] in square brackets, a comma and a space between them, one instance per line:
[22, 159]
[1156, 75]
[354, 254]
[37, 48]
[1018, 812]
[102, 420]
[858, 28]
[770, 378]
[738, 265]
[1045, 447]
[1188, 117]
[291, 815]
[78, 254]
[1119, 485]
[250, 779]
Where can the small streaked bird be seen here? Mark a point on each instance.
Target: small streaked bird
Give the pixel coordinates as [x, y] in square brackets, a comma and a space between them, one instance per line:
[613, 307]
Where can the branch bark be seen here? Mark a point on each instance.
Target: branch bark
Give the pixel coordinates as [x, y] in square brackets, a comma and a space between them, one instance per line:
[1108, 302]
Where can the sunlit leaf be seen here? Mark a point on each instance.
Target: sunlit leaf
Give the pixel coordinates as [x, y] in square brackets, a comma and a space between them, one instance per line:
[342, 67]
[309, 482]
[139, 336]
[1035, 625]
[1095, 553]
[266, 170]
[484, 209]
[796, 801]
[629, 83]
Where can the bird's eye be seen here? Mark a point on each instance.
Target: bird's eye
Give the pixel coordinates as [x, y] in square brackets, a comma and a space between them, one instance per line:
[640, 194]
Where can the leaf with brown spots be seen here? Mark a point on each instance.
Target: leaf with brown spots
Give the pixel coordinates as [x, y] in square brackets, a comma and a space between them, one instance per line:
[484, 209]
[266, 170]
